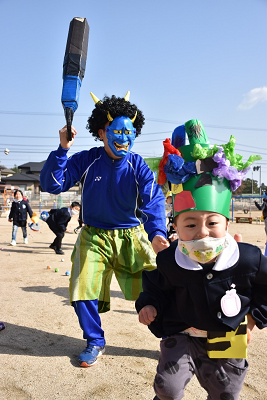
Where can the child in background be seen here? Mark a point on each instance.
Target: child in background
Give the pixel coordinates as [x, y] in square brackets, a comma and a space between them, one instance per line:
[171, 233]
[18, 214]
[58, 220]
[208, 291]
[263, 208]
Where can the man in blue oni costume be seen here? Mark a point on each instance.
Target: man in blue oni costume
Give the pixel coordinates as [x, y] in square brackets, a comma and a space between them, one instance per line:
[121, 135]
[123, 210]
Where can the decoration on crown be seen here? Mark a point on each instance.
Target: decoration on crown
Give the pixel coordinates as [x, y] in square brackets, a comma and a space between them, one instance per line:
[207, 174]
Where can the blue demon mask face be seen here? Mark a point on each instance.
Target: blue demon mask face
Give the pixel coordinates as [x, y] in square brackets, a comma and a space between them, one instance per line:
[121, 135]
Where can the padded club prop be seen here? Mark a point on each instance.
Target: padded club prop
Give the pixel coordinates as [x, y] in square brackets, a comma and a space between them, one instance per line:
[74, 68]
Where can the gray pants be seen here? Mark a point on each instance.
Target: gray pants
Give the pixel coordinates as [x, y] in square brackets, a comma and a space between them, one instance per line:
[182, 356]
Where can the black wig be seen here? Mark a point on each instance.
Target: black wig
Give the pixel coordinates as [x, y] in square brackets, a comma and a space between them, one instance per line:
[117, 107]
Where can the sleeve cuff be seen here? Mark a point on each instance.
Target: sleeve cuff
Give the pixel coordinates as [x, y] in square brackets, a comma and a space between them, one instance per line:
[160, 233]
[60, 152]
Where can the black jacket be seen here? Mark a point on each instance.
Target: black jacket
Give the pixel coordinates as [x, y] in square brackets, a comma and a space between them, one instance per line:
[185, 298]
[19, 210]
[262, 207]
[58, 219]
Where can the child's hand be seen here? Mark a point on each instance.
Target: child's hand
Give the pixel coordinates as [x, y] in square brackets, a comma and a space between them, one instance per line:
[173, 237]
[147, 315]
[159, 243]
[238, 238]
[10, 220]
[63, 134]
[251, 324]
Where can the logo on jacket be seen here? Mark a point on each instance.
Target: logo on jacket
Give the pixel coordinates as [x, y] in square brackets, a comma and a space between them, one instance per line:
[98, 178]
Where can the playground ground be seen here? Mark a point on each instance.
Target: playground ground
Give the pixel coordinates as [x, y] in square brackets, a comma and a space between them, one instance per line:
[39, 347]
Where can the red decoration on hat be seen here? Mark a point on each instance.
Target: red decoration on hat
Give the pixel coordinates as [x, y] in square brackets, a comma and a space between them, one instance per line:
[183, 201]
[168, 149]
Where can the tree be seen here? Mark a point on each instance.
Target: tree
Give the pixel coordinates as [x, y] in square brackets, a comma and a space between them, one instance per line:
[16, 169]
[239, 190]
[263, 188]
[248, 188]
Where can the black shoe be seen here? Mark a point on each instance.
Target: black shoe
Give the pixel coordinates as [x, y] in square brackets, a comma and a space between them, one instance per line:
[59, 251]
[52, 246]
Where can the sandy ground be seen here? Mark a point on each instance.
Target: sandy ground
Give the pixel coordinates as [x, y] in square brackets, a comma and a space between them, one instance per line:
[42, 339]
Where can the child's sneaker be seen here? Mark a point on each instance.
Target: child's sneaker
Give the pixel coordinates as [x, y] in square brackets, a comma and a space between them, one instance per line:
[88, 356]
[13, 243]
[59, 251]
[2, 326]
[25, 241]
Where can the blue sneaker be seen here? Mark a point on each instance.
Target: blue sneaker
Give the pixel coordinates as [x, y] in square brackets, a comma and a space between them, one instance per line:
[88, 356]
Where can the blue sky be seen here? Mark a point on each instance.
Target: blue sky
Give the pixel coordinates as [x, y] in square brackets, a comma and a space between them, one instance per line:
[179, 59]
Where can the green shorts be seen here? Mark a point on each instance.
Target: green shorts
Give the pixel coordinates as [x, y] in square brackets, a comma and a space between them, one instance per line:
[100, 252]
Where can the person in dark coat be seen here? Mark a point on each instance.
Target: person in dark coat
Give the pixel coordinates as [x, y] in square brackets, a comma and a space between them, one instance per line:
[263, 208]
[18, 215]
[58, 220]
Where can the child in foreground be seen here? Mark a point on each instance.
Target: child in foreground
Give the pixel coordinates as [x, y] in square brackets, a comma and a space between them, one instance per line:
[208, 291]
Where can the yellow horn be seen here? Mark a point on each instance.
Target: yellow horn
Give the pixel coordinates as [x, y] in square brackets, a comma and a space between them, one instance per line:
[96, 100]
[127, 96]
[109, 117]
[134, 118]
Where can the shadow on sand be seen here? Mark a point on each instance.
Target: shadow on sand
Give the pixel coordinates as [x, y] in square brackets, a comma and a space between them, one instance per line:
[21, 340]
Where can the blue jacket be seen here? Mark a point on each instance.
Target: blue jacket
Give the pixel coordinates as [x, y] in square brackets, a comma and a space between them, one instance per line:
[111, 189]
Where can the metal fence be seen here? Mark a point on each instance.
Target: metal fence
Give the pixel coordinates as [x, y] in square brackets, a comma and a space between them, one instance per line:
[45, 201]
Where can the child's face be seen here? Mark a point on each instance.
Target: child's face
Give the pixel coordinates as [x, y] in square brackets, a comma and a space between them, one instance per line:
[18, 196]
[169, 200]
[195, 225]
[75, 208]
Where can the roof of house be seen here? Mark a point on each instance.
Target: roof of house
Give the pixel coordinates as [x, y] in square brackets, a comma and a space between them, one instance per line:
[7, 171]
[32, 166]
[23, 177]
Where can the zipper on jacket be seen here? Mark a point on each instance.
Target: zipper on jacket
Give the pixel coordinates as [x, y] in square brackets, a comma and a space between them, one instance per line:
[111, 176]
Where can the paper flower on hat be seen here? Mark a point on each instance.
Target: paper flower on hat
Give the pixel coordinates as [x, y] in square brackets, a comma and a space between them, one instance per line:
[177, 171]
[168, 149]
[225, 170]
[230, 165]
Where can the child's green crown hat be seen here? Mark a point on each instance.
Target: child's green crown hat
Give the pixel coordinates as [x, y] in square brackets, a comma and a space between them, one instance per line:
[202, 176]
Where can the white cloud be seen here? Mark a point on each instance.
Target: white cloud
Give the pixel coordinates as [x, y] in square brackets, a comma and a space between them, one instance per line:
[253, 97]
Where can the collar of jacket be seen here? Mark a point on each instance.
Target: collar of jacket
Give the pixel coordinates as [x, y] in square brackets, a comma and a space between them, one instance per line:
[228, 257]
[111, 162]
